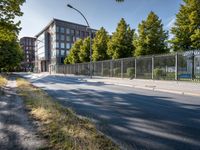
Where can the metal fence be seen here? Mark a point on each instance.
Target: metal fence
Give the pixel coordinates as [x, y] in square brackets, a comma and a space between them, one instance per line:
[177, 66]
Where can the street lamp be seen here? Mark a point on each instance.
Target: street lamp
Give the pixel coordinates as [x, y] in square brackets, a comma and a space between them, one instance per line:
[90, 32]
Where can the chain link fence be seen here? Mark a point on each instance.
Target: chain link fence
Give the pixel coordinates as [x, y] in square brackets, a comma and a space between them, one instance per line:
[177, 66]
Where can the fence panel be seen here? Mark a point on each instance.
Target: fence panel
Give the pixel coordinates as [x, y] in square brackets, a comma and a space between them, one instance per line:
[144, 68]
[164, 67]
[116, 68]
[181, 66]
[97, 69]
[185, 67]
[197, 67]
[129, 68]
[106, 69]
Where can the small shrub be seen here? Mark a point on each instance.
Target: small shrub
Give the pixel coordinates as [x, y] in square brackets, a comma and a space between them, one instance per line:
[170, 75]
[158, 73]
[130, 72]
[117, 72]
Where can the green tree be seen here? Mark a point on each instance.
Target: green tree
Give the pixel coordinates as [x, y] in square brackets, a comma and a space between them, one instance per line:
[10, 51]
[120, 45]
[151, 37]
[196, 39]
[99, 46]
[185, 30]
[9, 9]
[84, 54]
[73, 56]
[10, 55]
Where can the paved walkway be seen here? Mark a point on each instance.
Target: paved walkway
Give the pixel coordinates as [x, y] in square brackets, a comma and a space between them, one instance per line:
[175, 87]
[17, 131]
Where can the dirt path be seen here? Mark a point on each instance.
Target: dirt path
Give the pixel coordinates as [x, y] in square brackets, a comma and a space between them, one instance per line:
[17, 131]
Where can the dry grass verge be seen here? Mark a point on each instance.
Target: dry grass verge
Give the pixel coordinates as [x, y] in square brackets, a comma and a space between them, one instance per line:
[3, 82]
[62, 127]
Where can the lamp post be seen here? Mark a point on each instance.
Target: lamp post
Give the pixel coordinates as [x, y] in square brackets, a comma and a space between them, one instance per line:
[90, 34]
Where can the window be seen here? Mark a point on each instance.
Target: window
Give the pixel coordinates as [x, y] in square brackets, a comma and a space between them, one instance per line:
[62, 60]
[62, 45]
[62, 37]
[68, 38]
[57, 29]
[77, 32]
[57, 37]
[68, 45]
[62, 52]
[57, 45]
[77, 38]
[72, 31]
[57, 53]
[82, 34]
[68, 31]
[87, 34]
[67, 52]
[74, 39]
[62, 30]
[54, 45]
[54, 54]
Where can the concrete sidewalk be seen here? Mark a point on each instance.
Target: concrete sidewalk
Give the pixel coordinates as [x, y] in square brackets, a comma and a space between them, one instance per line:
[175, 87]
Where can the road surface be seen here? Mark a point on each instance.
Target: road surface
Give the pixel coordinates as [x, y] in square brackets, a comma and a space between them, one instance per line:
[133, 118]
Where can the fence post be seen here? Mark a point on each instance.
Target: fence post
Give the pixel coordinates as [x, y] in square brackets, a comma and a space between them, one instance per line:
[176, 66]
[152, 67]
[135, 68]
[102, 68]
[111, 68]
[122, 68]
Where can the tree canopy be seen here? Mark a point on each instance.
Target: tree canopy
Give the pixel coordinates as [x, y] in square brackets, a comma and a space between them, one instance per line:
[186, 29]
[99, 46]
[73, 56]
[10, 51]
[151, 37]
[120, 45]
[84, 54]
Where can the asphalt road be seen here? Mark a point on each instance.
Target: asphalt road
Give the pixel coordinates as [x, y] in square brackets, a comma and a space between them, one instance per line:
[133, 118]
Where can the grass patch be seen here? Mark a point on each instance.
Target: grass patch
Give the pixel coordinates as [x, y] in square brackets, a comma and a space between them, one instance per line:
[61, 126]
[3, 82]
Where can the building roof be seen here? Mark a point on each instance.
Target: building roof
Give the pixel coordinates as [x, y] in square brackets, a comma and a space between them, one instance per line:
[58, 20]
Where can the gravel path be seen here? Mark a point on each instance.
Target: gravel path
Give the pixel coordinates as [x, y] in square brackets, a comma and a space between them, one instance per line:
[17, 131]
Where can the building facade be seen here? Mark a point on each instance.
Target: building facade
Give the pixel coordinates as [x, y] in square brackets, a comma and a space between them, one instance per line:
[28, 46]
[53, 43]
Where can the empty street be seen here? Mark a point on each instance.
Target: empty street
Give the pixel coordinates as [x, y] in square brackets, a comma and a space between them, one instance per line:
[133, 118]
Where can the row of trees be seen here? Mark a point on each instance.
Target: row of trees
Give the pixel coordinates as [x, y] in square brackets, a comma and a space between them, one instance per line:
[150, 39]
[10, 52]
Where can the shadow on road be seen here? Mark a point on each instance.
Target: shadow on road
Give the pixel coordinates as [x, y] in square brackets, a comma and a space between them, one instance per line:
[137, 121]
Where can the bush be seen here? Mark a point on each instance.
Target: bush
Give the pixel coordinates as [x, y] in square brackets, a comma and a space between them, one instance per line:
[130, 72]
[117, 72]
[170, 75]
[158, 73]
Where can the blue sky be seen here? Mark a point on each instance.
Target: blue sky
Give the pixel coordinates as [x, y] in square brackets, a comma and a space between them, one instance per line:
[106, 13]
